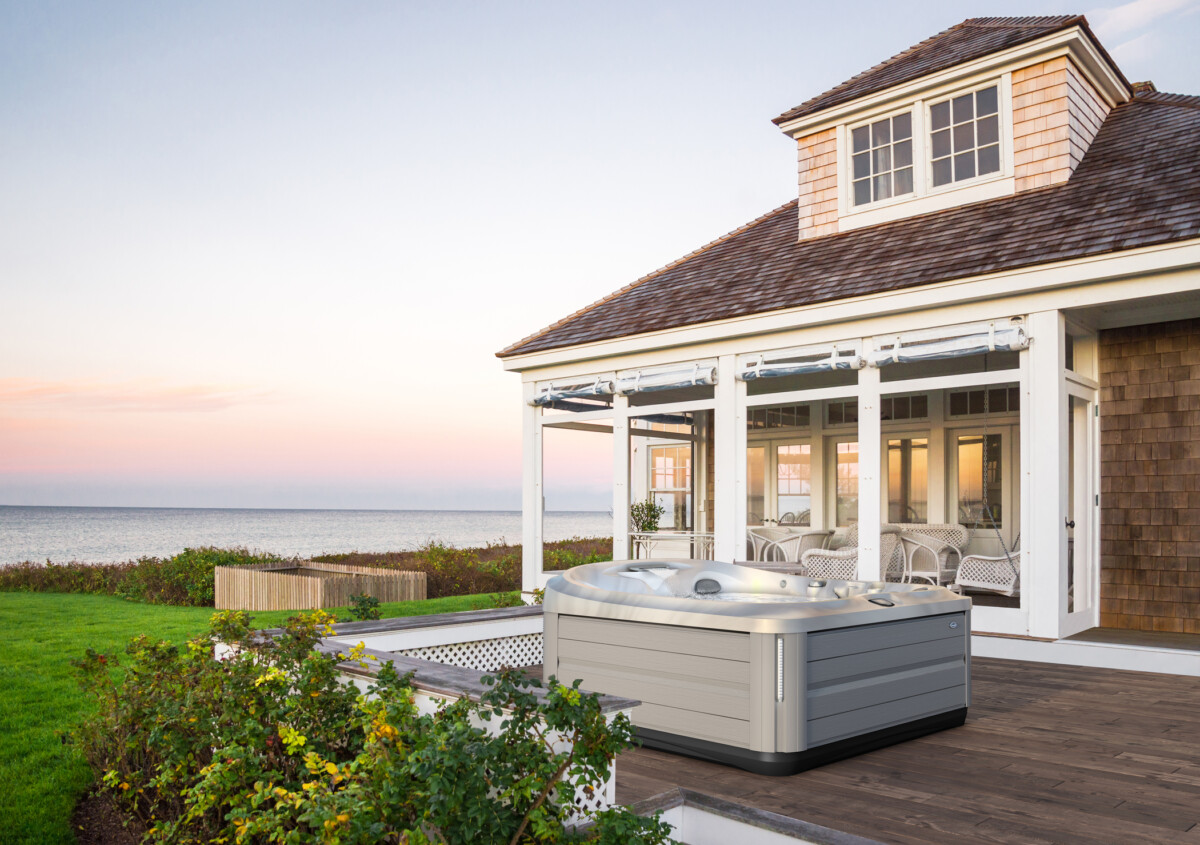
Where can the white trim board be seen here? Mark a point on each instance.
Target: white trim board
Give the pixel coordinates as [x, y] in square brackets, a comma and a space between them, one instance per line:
[1078, 283]
[1129, 658]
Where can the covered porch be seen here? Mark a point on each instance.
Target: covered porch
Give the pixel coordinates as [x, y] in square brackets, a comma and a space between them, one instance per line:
[843, 438]
[847, 433]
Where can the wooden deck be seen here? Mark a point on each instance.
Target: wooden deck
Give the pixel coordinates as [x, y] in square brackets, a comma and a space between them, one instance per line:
[1049, 753]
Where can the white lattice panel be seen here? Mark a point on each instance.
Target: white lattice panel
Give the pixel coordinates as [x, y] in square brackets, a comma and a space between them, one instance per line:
[483, 655]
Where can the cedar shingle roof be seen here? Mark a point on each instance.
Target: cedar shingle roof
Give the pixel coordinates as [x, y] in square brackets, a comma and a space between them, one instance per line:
[1138, 185]
[969, 40]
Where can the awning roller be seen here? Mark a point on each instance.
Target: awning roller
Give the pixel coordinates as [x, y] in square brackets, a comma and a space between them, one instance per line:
[972, 340]
[646, 381]
[554, 393]
[797, 362]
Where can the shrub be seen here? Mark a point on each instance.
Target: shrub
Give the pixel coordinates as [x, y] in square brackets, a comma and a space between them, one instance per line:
[188, 578]
[495, 568]
[185, 579]
[268, 745]
[364, 607]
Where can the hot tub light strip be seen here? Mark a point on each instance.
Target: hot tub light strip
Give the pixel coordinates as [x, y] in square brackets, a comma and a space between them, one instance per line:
[779, 668]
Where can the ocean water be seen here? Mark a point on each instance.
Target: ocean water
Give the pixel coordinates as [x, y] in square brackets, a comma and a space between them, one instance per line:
[100, 535]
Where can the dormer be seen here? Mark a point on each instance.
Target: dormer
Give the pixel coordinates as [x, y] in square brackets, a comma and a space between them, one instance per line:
[988, 108]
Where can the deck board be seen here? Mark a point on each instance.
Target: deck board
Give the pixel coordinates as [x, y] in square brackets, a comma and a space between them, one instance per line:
[1049, 753]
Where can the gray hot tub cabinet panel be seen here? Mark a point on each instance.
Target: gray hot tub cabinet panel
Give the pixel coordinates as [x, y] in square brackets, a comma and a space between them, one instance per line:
[689, 681]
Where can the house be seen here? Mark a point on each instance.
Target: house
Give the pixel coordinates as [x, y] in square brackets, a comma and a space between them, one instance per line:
[982, 308]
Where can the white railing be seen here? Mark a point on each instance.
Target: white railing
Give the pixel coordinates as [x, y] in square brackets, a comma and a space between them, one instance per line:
[689, 545]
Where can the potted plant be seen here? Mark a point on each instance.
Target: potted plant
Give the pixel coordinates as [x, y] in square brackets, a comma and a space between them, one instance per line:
[645, 516]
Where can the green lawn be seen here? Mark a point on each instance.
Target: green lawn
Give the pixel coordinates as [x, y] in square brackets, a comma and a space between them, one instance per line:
[41, 777]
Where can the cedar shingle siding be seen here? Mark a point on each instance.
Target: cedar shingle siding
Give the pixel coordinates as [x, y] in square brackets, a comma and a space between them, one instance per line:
[1150, 477]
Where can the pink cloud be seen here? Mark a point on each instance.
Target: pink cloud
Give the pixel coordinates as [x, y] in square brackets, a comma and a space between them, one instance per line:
[142, 395]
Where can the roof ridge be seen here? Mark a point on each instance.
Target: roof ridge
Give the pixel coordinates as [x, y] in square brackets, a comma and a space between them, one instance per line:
[1164, 98]
[646, 278]
[1031, 26]
[1024, 21]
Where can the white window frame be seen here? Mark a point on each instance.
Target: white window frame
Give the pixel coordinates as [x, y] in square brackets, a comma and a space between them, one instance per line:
[917, 148]
[1005, 130]
[924, 197]
[690, 490]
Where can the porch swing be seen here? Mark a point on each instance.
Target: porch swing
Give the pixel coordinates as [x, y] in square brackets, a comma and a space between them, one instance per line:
[999, 574]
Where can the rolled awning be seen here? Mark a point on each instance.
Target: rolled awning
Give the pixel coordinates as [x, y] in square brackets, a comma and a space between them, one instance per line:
[645, 381]
[800, 362]
[971, 340]
[557, 392]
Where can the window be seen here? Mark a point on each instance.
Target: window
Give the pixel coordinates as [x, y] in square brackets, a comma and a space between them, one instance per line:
[671, 484]
[842, 413]
[786, 416]
[991, 400]
[846, 468]
[980, 484]
[904, 407]
[964, 140]
[882, 159]
[756, 484]
[908, 480]
[793, 477]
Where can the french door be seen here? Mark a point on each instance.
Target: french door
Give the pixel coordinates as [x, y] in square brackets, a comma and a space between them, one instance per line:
[779, 482]
[983, 489]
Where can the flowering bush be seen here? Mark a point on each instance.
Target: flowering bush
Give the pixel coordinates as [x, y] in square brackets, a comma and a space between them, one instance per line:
[268, 745]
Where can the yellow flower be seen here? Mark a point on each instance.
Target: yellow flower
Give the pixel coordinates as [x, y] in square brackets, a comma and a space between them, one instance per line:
[124, 785]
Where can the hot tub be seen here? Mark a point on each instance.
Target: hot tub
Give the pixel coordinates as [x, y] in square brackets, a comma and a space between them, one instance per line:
[773, 673]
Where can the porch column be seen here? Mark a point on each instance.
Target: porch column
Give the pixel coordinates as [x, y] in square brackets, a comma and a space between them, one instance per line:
[620, 508]
[532, 501]
[870, 568]
[725, 445]
[1043, 416]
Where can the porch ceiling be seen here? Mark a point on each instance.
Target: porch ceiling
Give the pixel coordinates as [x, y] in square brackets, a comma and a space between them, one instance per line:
[1150, 309]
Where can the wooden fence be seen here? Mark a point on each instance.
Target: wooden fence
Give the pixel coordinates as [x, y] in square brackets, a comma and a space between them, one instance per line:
[274, 586]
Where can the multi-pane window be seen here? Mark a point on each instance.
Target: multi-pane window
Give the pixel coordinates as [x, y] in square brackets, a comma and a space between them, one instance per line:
[965, 136]
[904, 407]
[987, 400]
[671, 484]
[785, 416]
[841, 412]
[793, 483]
[882, 159]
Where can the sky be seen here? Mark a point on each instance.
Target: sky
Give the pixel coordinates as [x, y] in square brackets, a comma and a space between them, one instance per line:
[263, 254]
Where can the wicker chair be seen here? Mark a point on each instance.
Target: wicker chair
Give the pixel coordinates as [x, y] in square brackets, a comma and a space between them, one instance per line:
[994, 574]
[932, 552]
[843, 562]
[785, 544]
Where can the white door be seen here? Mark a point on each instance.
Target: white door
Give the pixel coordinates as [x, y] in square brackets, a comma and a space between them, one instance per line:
[1082, 523]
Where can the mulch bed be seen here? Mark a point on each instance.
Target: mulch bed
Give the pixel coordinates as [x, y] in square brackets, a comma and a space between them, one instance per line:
[97, 821]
